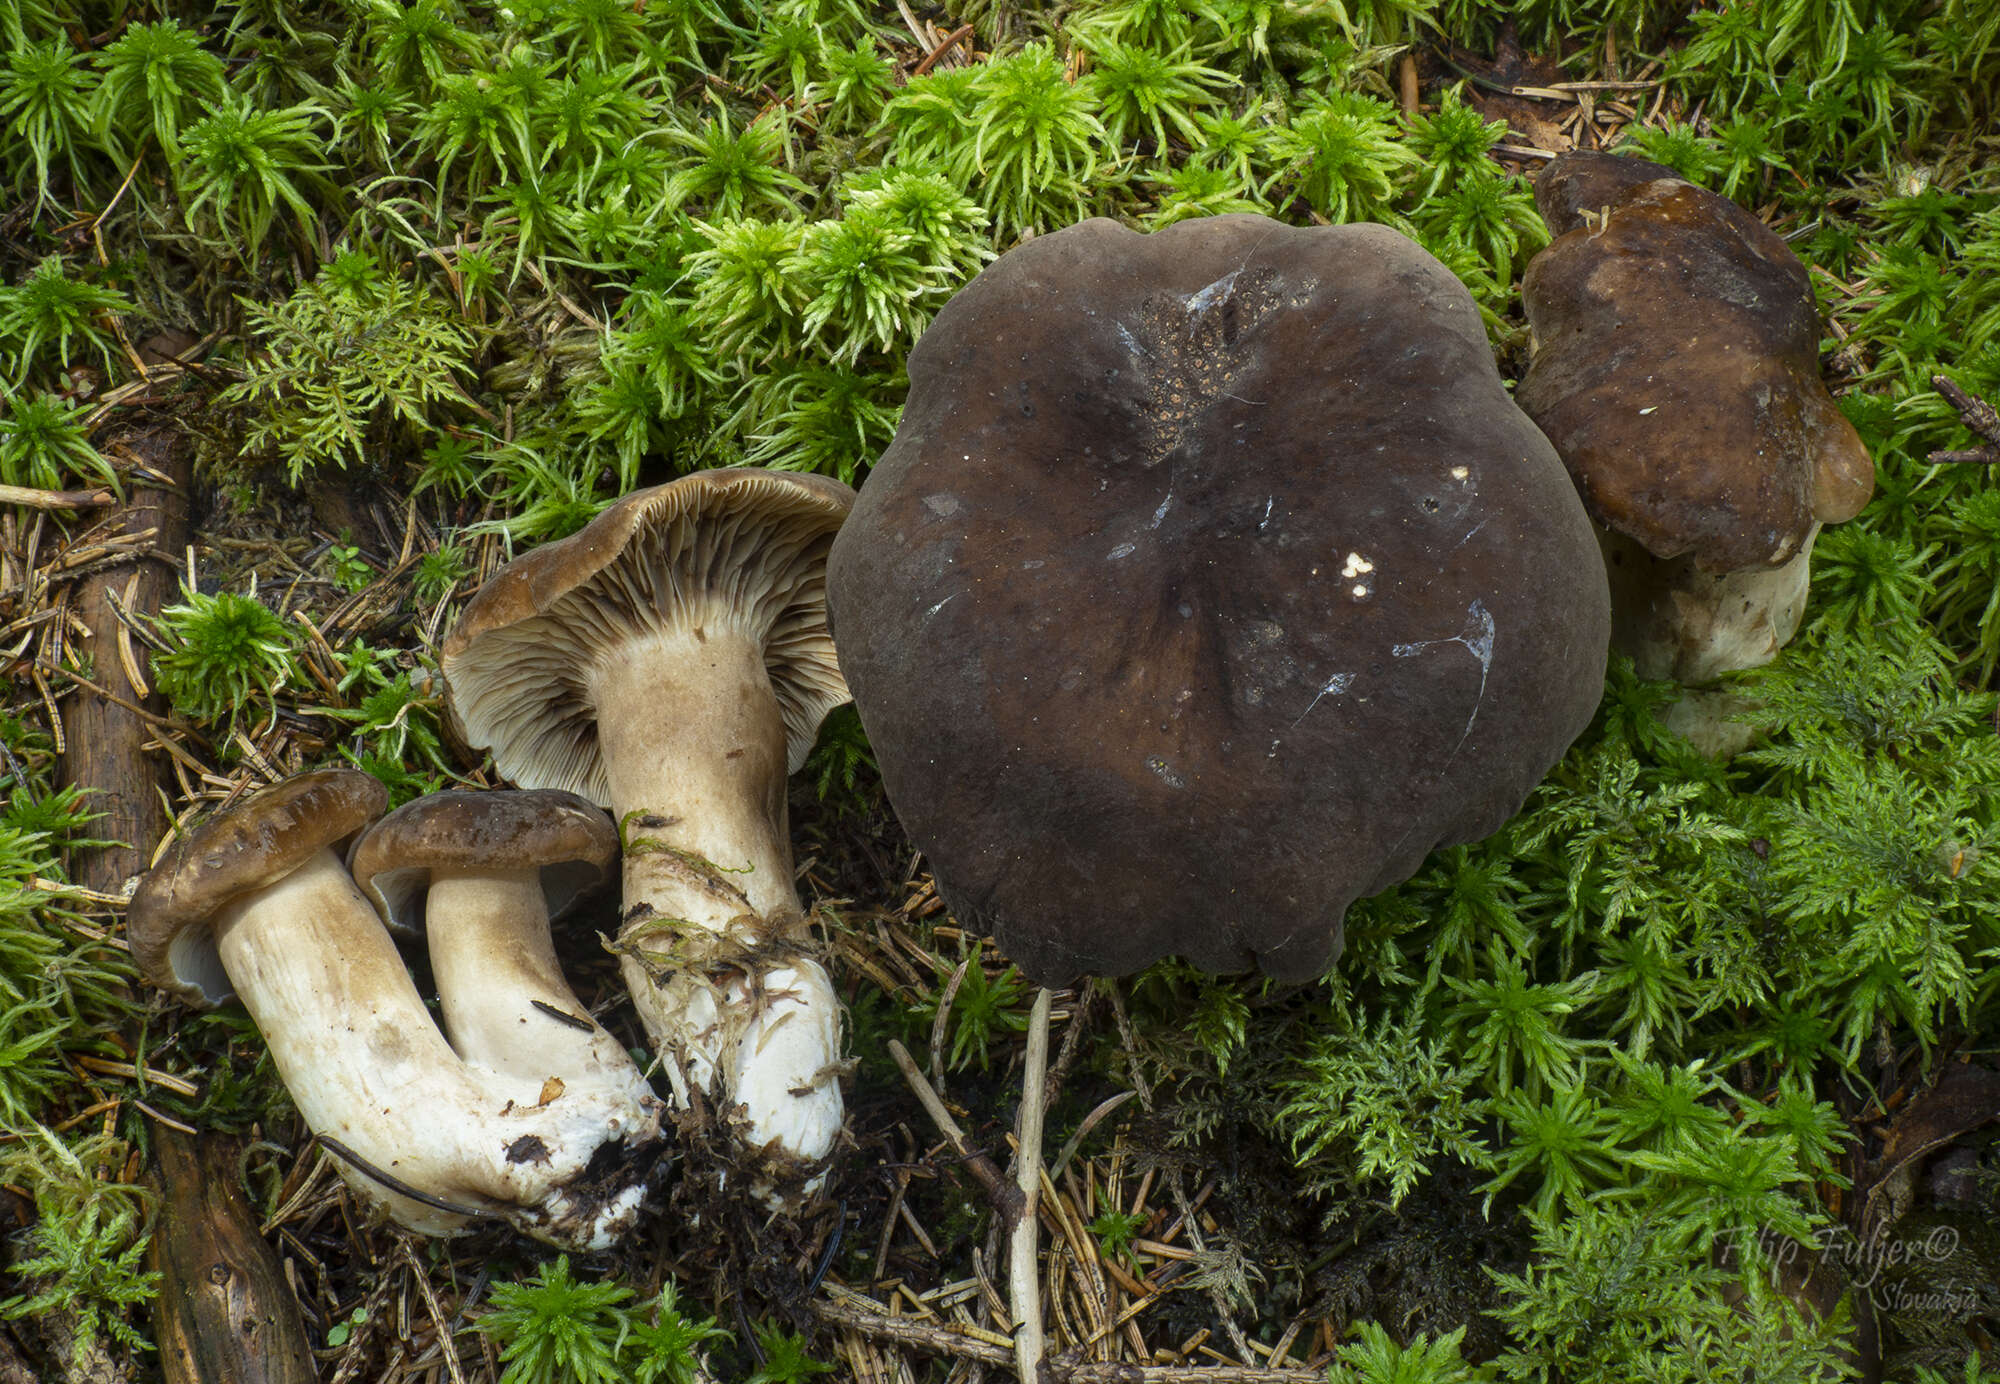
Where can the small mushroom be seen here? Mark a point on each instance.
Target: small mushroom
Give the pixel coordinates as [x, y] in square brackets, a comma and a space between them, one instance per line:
[1211, 581]
[1676, 370]
[482, 875]
[257, 905]
[671, 661]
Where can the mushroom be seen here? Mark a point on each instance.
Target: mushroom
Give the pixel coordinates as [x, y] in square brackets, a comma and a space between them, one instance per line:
[1676, 370]
[482, 874]
[1211, 581]
[671, 661]
[256, 904]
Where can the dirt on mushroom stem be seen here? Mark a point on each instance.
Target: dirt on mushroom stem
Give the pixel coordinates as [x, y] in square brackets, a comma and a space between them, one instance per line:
[374, 1076]
[713, 941]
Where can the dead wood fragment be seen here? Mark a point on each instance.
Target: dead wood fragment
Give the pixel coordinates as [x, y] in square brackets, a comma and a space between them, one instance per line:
[1965, 1097]
[104, 747]
[226, 1314]
[56, 499]
[1978, 415]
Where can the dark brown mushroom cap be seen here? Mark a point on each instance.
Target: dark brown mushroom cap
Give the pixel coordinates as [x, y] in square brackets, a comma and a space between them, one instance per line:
[1677, 368]
[565, 837]
[751, 542]
[255, 843]
[1211, 580]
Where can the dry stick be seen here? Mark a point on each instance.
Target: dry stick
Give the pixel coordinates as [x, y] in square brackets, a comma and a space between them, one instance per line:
[1023, 1283]
[1978, 415]
[943, 1019]
[56, 499]
[962, 32]
[446, 1347]
[978, 1164]
[105, 749]
[943, 1339]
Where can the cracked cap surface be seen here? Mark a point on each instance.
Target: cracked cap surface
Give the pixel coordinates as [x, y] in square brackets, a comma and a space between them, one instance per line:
[1212, 579]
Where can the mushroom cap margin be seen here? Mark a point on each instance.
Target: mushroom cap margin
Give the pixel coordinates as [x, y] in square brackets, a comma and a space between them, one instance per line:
[564, 836]
[525, 593]
[254, 843]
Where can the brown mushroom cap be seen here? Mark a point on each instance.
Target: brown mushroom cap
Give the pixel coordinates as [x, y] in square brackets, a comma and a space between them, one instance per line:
[1212, 579]
[257, 842]
[746, 548]
[1677, 368]
[565, 837]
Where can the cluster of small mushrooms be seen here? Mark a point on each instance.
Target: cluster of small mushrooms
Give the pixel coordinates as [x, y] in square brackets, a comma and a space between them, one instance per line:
[1212, 580]
[671, 662]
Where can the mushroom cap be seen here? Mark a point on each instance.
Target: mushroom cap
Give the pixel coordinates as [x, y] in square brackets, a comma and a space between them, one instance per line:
[1212, 579]
[257, 842]
[744, 547]
[565, 837]
[1677, 368]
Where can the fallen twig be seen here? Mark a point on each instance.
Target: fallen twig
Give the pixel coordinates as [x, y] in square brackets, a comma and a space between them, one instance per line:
[958, 35]
[1024, 1289]
[1977, 415]
[56, 499]
[976, 1163]
[943, 1338]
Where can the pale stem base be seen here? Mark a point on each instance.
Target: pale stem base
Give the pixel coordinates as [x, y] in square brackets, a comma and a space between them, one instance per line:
[717, 946]
[366, 1067]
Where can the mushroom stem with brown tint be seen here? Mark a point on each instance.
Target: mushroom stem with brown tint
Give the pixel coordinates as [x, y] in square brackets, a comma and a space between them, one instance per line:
[670, 661]
[712, 921]
[482, 874]
[257, 904]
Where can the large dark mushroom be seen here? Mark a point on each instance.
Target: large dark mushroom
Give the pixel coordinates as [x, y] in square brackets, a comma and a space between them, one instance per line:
[1212, 580]
[1676, 370]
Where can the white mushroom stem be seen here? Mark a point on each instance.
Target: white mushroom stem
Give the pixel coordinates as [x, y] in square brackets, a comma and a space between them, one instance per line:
[1678, 622]
[693, 746]
[368, 1069]
[506, 1004]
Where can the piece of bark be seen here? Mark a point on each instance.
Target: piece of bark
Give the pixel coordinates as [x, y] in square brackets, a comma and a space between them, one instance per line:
[1965, 1097]
[49, 1340]
[14, 1367]
[225, 1313]
[105, 741]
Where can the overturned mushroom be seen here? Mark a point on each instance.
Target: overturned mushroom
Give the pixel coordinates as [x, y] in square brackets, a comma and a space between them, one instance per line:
[671, 662]
[482, 874]
[256, 904]
[1211, 581]
[1676, 370]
